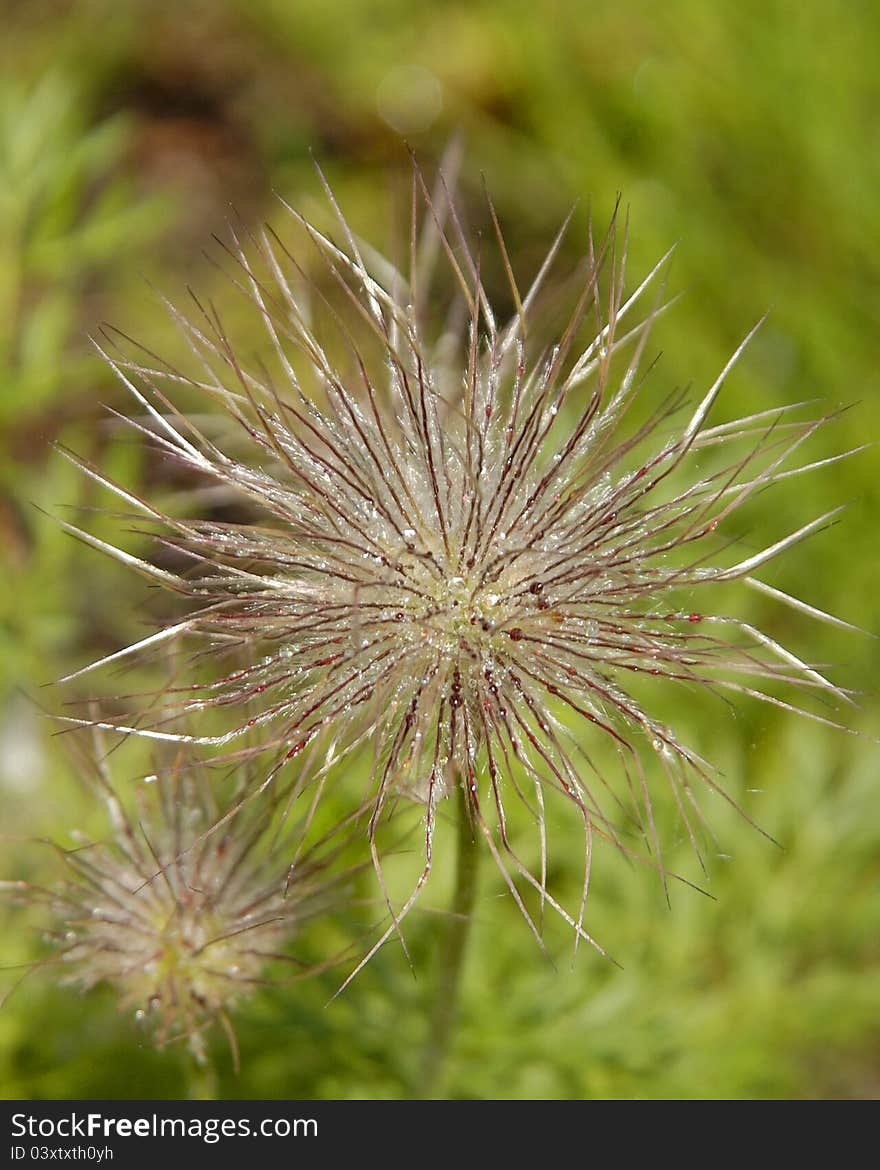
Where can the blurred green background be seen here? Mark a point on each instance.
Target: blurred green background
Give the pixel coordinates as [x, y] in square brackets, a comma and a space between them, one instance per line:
[749, 132]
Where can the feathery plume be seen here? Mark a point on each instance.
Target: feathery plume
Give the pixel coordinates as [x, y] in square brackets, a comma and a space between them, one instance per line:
[184, 905]
[464, 557]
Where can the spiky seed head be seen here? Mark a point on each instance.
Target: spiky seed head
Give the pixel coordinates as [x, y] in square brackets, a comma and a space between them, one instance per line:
[182, 907]
[464, 557]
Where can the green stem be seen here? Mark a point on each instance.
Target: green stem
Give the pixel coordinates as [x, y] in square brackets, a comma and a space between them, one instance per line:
[202, 1082]
[454, 944]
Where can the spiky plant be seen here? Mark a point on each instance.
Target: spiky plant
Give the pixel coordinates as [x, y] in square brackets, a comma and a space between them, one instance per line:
[184, 906]
[470, 544]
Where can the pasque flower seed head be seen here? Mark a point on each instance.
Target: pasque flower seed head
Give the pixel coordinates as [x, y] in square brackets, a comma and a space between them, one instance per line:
[472, 544]
[184, 905]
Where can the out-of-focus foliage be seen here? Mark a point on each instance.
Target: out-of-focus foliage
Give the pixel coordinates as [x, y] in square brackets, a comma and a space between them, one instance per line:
[67, 216]
[63, 220]
[748, 132]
